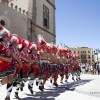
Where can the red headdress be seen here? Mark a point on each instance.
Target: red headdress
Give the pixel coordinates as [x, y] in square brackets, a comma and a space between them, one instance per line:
[53, 46]
[4, 32]
[78, 56]
[41, 39]
[60, 49]
[39, 48]
[32, 46]
[15, 38]
[74, 55]
[65, 49]
[48, 46]
[24, 43]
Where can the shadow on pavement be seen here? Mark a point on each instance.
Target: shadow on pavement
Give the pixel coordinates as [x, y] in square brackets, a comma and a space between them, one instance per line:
[50, 94]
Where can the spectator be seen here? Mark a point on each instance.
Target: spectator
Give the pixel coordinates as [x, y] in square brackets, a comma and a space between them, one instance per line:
[98, 68]
[94, 68]
[83, 68]
[86, 68]
[91, 68]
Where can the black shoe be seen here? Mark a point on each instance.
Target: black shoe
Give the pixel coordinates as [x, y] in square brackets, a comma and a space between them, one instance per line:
[55, 84]
[76, 79]
[21, 88]
[50, 81]
[61, 82]
[37, 83]
[73, 78]
[7, 98]
[30, 88]
[41, 88]
[79, 78]
[16, 95]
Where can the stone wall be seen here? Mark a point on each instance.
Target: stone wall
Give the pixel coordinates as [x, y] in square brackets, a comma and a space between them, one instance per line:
[16, 22]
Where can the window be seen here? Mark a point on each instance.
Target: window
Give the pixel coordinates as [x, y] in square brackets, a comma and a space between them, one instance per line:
[45, 22]
[88, 56]
[88, 51]
[78, 52]
[45, 16]
[83, 51]
[74, 52]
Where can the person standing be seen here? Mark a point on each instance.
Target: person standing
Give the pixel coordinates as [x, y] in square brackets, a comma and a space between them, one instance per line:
[98, 68]
[94, 68]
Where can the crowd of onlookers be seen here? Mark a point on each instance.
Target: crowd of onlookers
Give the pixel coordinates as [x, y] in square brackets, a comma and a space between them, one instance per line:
[90, 68]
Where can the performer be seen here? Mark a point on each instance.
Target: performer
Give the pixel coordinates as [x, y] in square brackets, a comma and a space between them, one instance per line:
[43, 60]
[51, 61]
[70, 64]
[78, 69]
[14, 41]
[6, 68]
[26, 63]
[56, 64]
[35, 65]
[65, 64]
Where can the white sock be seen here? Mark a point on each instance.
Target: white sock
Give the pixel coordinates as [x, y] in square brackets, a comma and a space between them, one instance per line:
[9, 89]
[40, 82]
[17, 88]
[31, 82]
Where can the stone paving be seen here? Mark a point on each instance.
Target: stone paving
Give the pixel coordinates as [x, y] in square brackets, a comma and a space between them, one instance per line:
[86, 89]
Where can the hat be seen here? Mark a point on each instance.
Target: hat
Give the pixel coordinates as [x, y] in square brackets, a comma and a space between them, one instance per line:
[65, 49]
[15, 38]
[4, 32]
[60, 49]
[41, 40]
[78, 56]
[39, 48]
[69, 55]
[74, 55]
[32, 46]
[48, 46]
[23, 43]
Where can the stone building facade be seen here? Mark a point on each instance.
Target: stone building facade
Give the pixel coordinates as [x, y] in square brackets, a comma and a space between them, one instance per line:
[28, 18]
[86, 54]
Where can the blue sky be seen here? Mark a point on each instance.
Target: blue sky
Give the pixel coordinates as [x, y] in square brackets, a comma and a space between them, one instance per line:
[78, 23]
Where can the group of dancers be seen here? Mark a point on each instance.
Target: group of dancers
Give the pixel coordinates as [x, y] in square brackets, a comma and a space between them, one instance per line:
[22, 61]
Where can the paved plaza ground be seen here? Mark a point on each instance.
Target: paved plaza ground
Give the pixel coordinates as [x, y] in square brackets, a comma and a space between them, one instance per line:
[86, 89]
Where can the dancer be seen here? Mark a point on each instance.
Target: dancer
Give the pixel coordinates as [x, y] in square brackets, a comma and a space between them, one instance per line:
[35, 65]
[6, 67]
[14, 41]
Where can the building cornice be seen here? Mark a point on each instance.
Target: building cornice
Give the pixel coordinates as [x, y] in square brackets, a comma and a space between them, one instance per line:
[51, 4]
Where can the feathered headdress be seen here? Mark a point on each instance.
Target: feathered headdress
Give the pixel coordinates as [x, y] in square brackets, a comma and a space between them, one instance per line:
[32, 46]
[53, 46]
[41, 39]
[48, 46]
[15, 38]
[4, 32]
[60, 49]
[23, 43]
